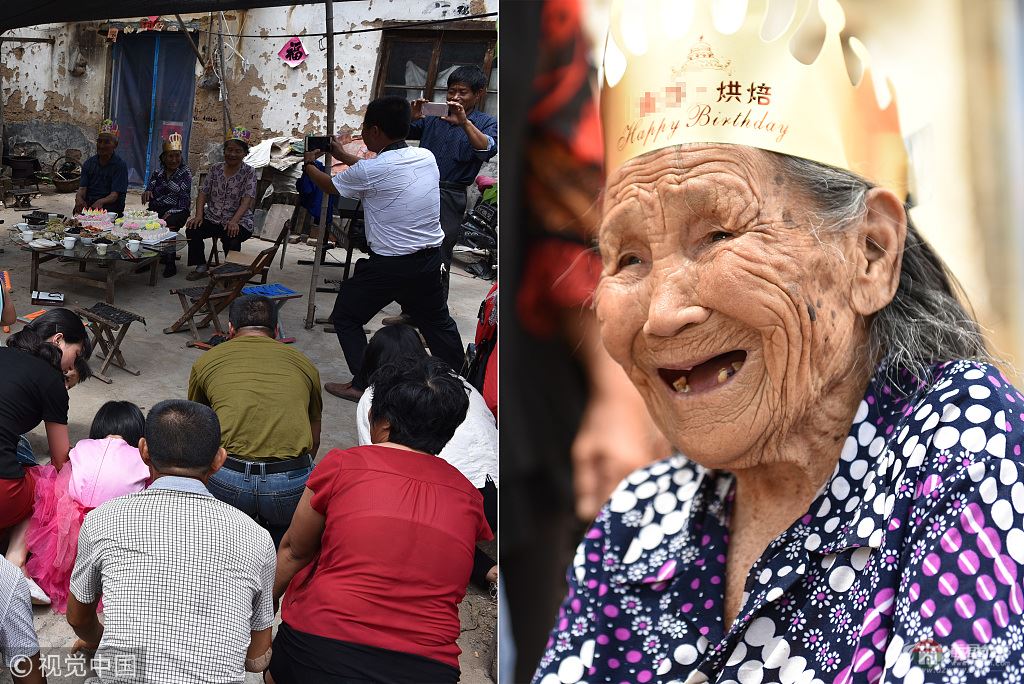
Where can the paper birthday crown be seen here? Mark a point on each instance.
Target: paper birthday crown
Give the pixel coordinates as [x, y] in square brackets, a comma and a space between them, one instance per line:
[173, 142]
[670, 77]
[241, 134]
[108, 127]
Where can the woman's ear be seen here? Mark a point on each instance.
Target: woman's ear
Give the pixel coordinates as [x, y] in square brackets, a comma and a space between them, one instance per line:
[879, 252]
[380, 430]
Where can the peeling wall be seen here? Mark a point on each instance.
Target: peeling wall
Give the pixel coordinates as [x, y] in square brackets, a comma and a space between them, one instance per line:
[43, 101]
[266, 95]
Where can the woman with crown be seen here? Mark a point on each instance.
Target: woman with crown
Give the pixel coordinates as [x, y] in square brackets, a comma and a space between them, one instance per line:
[224, 206]
[169, 191]
[847, 493]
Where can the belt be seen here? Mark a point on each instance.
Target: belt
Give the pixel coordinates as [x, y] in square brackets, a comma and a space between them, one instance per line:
[446, 185]
[241, 465]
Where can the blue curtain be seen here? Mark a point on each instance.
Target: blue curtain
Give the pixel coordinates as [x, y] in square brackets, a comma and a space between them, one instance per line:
[152, 95]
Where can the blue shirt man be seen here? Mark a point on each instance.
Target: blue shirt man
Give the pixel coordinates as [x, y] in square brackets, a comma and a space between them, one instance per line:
[461, 142]
[104, 183]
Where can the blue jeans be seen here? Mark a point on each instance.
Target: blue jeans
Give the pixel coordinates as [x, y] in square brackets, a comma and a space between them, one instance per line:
[270, 500]
[24, 453]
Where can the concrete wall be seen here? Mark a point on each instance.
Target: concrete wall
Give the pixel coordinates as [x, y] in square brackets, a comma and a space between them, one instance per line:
[46, 104]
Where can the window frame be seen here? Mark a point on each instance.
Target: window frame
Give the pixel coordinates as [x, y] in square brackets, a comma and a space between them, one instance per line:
[456, 32]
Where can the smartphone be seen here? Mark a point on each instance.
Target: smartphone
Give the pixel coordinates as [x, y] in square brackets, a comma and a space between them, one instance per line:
[435, 109]
[318, 142]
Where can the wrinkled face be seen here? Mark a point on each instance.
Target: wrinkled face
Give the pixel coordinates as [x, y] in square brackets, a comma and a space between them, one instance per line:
[171, 159]
[464, 95]
[234, 153]
[105, 145]
[730, 316]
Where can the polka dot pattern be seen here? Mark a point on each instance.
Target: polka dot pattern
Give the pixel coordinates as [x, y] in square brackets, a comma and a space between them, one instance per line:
[918, 535]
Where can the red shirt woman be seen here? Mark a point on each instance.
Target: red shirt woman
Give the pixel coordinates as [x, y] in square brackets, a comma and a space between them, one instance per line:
[392, 529]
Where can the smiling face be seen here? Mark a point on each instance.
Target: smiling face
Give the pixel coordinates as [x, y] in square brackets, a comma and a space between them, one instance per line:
[234, 153]
[171, 159]
[736, 322]
[464, 95]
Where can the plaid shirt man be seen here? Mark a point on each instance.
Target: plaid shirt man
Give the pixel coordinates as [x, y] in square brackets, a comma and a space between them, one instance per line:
[17, 635]
[185, 579]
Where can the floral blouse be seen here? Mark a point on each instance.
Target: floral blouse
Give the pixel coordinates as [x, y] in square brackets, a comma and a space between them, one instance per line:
[224, 195]
[907, 567]
[170, 192]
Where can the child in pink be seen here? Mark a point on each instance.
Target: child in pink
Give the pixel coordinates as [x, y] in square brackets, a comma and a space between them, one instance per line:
[105, 466]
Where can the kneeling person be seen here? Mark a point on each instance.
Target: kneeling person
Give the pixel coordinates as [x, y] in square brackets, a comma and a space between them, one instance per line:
[267, 397]
[186, 580]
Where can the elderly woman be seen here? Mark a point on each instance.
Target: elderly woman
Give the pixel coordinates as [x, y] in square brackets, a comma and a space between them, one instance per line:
[224, 206]
[169, 191]
[847, 501]
[380, 549]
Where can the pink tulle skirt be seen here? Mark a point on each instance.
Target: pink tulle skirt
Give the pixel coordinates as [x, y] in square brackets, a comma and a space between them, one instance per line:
[53, 533]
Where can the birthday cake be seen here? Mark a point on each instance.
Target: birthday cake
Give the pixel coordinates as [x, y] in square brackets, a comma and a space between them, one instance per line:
[145, 223]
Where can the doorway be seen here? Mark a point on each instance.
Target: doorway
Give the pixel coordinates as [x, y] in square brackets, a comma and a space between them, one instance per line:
[152, 96]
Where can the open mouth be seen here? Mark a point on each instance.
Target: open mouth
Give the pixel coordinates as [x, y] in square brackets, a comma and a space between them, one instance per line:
[705, 376]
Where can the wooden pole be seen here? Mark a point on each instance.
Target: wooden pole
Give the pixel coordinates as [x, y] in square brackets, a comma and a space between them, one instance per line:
[195, 48]
[223, 77]
[3, 140]
[325, 220]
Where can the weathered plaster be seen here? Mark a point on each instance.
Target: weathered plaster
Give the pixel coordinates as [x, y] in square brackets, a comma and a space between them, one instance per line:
[266, 95]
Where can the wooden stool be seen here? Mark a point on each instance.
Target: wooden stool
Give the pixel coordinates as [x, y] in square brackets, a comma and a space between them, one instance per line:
[104, 320]
[22, 198]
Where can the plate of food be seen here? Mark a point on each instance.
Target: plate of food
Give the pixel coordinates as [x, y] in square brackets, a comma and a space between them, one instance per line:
[42, 243]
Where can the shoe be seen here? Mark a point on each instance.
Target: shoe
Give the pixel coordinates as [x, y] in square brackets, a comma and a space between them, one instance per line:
[401, 319]
[343, 390]
[39, 597]
[197, 275]
[170, 270]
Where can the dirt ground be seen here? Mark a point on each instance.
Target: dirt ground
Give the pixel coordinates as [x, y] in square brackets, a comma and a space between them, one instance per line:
[165, 361]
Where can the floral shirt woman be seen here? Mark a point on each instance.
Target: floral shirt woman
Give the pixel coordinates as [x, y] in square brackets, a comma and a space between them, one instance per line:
[906, 568]
[224, 194]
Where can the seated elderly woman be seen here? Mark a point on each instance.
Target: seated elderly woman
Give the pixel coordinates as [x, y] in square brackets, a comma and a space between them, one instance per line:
[224, 205]
[847, 501]
[380, 549]
[169, 191]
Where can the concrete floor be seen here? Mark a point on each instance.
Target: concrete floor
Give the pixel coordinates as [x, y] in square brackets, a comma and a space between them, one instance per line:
[165, 363]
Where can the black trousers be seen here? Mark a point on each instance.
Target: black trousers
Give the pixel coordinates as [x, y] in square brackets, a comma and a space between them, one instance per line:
[301, 658]
[414, 281]
[208, 229]
[453, 210]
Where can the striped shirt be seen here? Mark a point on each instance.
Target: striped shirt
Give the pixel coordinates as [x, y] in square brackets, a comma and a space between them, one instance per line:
[184, 577]
[457, 160]
[17, 635]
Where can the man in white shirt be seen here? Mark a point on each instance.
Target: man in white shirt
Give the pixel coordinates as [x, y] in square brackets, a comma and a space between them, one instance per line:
[399, 189]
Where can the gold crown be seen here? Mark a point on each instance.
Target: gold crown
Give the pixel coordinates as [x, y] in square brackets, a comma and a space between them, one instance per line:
[670, 78]
[173, 142]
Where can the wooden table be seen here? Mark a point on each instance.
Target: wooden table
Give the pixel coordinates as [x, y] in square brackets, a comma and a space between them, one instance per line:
[116, 262]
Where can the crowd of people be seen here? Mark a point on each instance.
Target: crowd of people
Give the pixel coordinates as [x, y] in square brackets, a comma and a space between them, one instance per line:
[187, 526]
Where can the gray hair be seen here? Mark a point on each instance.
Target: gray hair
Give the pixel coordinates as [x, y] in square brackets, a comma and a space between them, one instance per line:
[925, 323]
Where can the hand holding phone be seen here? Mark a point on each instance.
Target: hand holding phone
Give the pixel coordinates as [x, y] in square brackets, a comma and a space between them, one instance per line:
[321, 143]
[435, 109]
